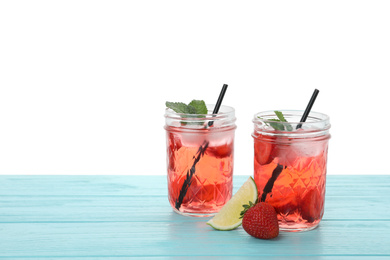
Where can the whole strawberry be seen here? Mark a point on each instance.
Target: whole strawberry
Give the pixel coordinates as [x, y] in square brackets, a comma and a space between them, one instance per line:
[260, 221]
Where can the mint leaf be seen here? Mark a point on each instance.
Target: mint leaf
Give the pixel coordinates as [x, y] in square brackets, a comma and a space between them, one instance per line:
[280, 116]
[180, 107]
[276, 125]
[200, 106]
[289, 127]
[194, 107]
[282, 119]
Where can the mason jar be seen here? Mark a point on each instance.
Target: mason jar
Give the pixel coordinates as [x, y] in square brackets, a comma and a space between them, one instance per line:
[200, 152]
[290, 160]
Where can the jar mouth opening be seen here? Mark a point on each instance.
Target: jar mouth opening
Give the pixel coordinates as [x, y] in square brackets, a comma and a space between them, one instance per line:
[265, 122]
[314, 117]
[224, 118]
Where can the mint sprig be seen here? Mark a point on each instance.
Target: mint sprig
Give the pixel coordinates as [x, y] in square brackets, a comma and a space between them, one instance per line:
[194, 107]
[276, 122]
[282, 119]
[197, 107]
[280, 116]
[180, 107]
[200, 106]
[276, 125]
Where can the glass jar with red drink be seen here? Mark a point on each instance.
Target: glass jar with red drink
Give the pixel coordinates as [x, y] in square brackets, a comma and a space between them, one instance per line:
[200, 151]
[290, 160]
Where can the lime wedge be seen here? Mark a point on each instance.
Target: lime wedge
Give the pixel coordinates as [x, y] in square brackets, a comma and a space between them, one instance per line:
[228, 217]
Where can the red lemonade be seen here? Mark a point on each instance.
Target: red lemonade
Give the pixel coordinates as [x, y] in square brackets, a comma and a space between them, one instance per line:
[202, 156]
[211, 185]
[290, 171]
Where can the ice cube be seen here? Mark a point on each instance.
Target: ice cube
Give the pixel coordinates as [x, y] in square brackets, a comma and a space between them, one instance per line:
[307, 149]
[288, 154]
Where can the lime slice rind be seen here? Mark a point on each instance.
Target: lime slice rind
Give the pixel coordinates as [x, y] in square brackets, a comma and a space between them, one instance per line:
[228, 218]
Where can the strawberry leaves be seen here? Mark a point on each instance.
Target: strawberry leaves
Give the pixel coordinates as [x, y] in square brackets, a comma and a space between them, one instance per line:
[246, 207]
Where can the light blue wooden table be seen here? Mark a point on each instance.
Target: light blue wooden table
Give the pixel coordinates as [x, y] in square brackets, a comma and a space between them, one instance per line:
[119, 217]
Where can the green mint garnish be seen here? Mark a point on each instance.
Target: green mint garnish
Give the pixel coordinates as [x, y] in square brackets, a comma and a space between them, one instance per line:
[194, 107]
[199, 105]
[280, 116]
[282, 119]
[277, 126]
[180, 107]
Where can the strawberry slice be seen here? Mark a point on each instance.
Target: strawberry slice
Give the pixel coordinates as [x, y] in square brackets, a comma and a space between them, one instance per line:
[264, 152]
[312, 206]
[220, 151]
[175, 144]
[286, 206]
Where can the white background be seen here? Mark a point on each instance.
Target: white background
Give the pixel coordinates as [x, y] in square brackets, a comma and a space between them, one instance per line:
[83, 84]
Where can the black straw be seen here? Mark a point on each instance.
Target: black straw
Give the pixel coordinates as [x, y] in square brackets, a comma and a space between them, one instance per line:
[187, 182]
[279, 168]
[270, 183]
[219, 102]
[308, 107]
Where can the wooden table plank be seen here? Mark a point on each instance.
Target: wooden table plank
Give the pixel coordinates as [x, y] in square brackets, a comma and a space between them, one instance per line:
[62, 185]
[122, 208]
[203, 257]
[332, 238]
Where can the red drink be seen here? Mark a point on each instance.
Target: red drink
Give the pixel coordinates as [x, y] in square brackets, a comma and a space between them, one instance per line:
[211, 183]
[290, 169]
